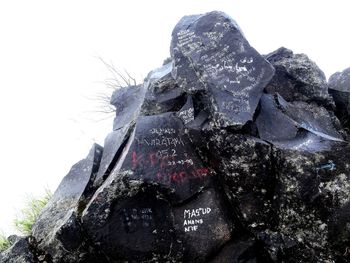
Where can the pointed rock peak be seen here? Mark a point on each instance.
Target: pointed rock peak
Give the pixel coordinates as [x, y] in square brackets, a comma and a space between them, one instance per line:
[212, 56]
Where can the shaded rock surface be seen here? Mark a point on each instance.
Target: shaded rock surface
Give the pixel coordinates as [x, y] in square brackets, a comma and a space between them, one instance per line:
[58, 228]
[296, 125]
[339, 88]
[221, 155]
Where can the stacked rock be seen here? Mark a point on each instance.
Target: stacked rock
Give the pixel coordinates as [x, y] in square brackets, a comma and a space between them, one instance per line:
[221, 155]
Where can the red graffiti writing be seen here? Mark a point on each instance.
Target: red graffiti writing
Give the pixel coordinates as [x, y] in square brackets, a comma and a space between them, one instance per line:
[181, 176]
[169, 168]
[156, 160]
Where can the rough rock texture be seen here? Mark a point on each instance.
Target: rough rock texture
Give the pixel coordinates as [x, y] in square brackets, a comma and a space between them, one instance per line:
[245, 164]
[127, 102]
[339, 88]
[202, 226]
[162, 92]
[211, 55]
[219, 156]
[296, 125]
[297, 78]
[19, 252]
[130, 220]
[58, 228]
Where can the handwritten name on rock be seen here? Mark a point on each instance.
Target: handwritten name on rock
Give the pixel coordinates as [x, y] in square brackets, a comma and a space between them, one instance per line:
[187, 115]
[162, 131]
[134, 217]
[193, 218]
[163, 141]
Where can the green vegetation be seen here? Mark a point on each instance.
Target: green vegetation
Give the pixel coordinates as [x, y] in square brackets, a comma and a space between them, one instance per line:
[30, 213]
[4, 243]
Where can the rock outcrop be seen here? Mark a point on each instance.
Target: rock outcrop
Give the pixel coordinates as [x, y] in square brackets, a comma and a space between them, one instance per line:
[221, 155]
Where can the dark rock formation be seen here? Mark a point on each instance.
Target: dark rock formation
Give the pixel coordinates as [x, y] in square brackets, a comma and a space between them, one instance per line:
[211, 55]
[296, 125]
[162, 92]
[19, 252]
[58, 228]
[339, 88]
[297, 78]
[202, 226]
[219, 156]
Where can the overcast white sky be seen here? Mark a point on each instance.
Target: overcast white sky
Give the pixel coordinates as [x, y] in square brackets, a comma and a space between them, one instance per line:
[49, 69]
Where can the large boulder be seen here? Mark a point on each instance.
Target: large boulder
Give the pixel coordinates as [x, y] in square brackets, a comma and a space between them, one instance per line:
[297, 78]
[130, 220]
[203, 225]
[212, 56]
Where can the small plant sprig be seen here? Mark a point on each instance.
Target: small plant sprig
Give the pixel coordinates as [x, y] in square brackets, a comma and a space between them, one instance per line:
[4, 242]
[29, 214]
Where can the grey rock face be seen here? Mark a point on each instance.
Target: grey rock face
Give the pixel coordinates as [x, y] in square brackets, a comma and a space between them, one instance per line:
[58, 229]
[127, 101]
[297, 78]
[19, 252]
[212, 56]
[245, 165]
[339, 88]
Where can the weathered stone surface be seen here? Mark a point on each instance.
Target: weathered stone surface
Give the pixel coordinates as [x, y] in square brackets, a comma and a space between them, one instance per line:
[202, 226]
[297, 78]
[242, 249]
[58, 229]
[129, 220]
[127, 102]
[311, 192]
[244, 164]
[211, 55]
[282, 248]
[161, 153]
[296, 125]
[162, 92]
[339, 88]
[19, 252]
